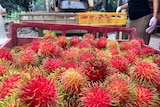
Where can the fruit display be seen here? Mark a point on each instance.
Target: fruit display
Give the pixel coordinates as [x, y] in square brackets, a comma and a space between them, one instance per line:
[55, 71]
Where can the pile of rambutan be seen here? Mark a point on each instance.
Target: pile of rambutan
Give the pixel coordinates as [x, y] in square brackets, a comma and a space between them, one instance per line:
[56, 71]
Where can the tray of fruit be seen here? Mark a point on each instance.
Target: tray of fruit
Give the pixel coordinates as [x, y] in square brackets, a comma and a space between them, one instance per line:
[57, 71]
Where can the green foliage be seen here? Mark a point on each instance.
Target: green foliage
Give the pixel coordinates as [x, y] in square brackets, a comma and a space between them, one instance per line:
[16, 5]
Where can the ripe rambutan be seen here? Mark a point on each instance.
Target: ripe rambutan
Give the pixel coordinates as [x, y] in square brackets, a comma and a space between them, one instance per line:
[50, 50]
[71, 53]
[131, 57]
[146, 97]
[8, 85]
[85, 44]
[114, 51]
[121, 88]
[50, 65]
[86, 55]
[62, 41]
[145, 72]
[69, 64]
[26, 58]
[6, 54]
[101, 42]
[124, 46]
[74, 41]
[95, 96]
[95, 69]
[136, 51]
[72, 81]
[120, 63]
[34, 45]
[38, 92]
[135, 44]
[147, 51]
[88, 36]
[49, 36]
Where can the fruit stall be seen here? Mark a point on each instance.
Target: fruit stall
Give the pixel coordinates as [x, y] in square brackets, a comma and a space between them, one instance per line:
[78, 71]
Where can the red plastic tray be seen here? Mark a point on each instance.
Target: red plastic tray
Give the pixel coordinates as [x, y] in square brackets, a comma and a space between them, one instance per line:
[16, 41]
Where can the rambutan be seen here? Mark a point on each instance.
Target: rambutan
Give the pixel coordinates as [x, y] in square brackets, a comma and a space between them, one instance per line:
[136, 51]
[72, 81]
[85, 44]
[50, 65]
[112, 44]
[145, 72]
[34, 45]
[71, 53]
[74, 41]
[6, 54]
[124, 46]
[95, 96]
[147, 51]
[38, 92]
[135, 44]
[120, 63]
[86, 55]
[49, 50]
[95, 69]
[26, 58]
[146, 97]
[62, 41]
[8, 84]
[49, 36]
[69, 64]
[88, 36]
[114, 51]
[101, 42]
[131, 57]
[121, 88]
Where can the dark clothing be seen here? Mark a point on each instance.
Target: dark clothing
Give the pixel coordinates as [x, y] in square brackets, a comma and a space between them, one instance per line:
[138, 9]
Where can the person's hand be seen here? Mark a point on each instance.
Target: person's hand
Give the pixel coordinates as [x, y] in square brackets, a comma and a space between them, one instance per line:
[119, 9]
[152, 25]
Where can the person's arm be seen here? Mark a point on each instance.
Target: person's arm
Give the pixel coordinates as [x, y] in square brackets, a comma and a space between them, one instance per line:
[155, 7]
[124, 6]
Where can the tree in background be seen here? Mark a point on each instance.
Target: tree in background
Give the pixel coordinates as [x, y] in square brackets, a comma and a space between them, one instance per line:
[16, 5]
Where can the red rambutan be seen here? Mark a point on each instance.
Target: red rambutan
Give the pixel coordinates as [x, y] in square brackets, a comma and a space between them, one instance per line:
[121, 88]
[6, 54]
[38, 92]
[95, 69]
[8, 84]
[146, 97]
[135, 44]
[120, 63]
[74, 41]
[86, 55]
[145, 72]
[101, 42]
[95, 96]
[50, 50]
[50, 65]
